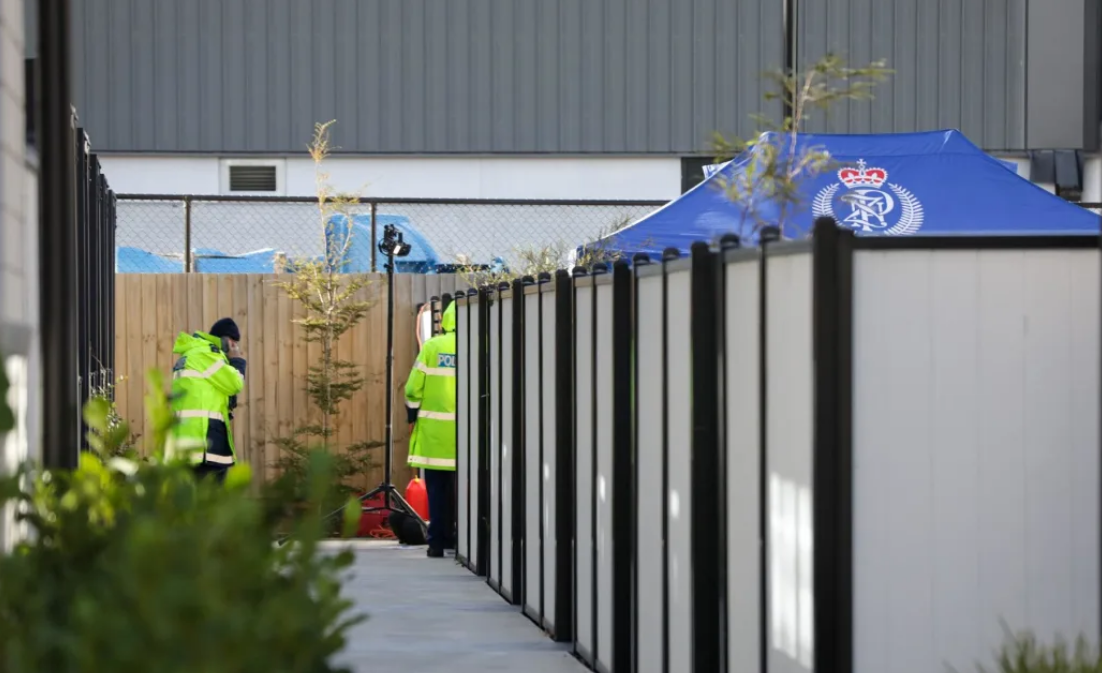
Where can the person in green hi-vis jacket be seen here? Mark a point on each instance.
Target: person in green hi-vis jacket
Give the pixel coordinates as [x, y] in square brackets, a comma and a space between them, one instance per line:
[430, 408]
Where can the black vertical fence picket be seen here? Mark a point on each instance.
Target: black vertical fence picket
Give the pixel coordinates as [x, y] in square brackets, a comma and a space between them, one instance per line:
[649, 442]
[95, 274]
[623, 483]
[563, 497]
[496, 355]
[482, 436]
[708, 589]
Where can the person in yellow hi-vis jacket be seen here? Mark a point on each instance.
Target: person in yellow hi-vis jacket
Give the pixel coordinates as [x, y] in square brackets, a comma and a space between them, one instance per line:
[208, 376]
[430, 407]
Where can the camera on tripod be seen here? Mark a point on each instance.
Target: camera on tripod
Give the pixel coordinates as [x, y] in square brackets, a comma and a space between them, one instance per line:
[393, 244]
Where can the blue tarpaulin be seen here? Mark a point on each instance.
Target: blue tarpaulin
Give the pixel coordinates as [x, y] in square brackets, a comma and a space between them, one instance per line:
[422, 258]
[134, 260]
[357, 259]
[214, 261]
[910, 184]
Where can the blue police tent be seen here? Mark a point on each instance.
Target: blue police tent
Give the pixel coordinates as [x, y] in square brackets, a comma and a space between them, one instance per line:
[422, 257]
[910, 184]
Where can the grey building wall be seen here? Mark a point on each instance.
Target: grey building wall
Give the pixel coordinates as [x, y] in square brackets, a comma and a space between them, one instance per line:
[1010, 74]
[422, 76]
[568, 76]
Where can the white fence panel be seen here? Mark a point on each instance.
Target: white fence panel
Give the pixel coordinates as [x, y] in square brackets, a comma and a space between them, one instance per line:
[789, 428]
[585, 510]
[743, 465]
[475, 420]
[650, 458]
[975, 442]
[679, 469]
[493, 396]
[603, 413]
[533, 552]
[548, 468]
[507, 456]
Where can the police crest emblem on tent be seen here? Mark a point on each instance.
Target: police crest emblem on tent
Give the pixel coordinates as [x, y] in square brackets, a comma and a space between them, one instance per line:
[871, 209]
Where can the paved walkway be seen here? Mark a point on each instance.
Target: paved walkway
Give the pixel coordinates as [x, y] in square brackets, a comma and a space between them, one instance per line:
[427, 615]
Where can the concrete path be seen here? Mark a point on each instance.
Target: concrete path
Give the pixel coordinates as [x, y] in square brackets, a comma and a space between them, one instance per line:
[427, 615]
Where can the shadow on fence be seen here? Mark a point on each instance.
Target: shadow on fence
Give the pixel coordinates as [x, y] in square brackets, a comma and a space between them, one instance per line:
[811, 456]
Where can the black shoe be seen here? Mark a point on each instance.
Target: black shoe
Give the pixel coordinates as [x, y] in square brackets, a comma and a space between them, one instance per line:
[435, 552]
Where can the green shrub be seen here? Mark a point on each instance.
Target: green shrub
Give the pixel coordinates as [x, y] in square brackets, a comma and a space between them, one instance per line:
[103, 392]
[331, 303]
[347, 467]
[134, 567]
[1024, 653]
[7, 418]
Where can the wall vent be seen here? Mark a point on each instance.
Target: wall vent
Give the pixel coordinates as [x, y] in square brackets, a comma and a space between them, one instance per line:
[252, 178]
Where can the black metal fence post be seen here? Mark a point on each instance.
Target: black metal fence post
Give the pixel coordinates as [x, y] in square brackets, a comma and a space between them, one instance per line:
[767, 236]
[189, 260]
[516, 333]
[543, 278]
[707, 479]
[832, 453]
[727, 243]
[109, 255]
[96, 284]
[623, 450]
[374, 233]
[85, 194]
[502, 407]
[482, 343]
[564, 457]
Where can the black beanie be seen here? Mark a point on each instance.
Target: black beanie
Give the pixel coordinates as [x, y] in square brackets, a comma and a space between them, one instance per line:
[226, 327]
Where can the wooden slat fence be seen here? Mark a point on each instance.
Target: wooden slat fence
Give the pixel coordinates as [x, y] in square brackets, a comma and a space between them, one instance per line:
[152, 309]
[425, 286]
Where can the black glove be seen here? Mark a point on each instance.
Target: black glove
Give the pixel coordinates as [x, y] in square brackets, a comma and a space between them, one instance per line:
[238, 364]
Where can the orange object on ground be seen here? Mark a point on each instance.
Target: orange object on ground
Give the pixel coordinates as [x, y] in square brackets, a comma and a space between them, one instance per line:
[418, 497]
[372, 523]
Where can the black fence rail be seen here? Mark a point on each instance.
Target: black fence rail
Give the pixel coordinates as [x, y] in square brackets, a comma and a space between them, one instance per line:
[95, 273]
[793, 457]
[224, 234]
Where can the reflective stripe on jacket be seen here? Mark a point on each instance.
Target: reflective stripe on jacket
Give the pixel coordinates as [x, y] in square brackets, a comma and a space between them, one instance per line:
[203, 381]
[430, 394]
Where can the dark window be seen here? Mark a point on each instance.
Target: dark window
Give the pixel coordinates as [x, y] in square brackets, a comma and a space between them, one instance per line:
[252, 178]
[692, 171]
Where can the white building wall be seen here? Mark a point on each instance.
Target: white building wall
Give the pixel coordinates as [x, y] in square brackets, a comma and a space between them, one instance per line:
[1092, 179]
[620, 178]
[18, 256]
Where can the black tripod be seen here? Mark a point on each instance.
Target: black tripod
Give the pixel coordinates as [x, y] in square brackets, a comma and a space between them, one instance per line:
[391, 246]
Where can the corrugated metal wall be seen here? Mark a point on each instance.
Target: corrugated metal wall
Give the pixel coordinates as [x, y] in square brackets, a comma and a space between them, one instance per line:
[561, 76]
[959, 64]
[422, 76]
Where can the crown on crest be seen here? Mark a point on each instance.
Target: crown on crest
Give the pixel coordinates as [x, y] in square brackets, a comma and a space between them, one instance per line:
[861, 176]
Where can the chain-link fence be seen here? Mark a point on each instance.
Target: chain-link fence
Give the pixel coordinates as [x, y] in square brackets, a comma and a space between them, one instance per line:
[250, 234]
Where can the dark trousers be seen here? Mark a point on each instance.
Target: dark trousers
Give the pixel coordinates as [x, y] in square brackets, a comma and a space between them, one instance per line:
[440, 485]
[217, 472]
